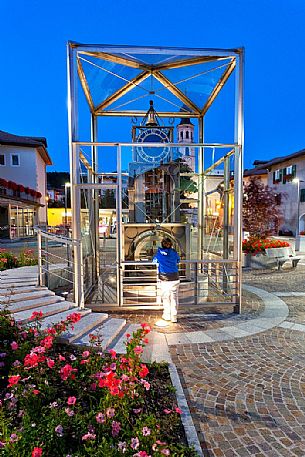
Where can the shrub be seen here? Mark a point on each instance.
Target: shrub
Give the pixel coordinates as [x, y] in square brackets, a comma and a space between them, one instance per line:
[60, 400]
[255, 245]
[8, 260]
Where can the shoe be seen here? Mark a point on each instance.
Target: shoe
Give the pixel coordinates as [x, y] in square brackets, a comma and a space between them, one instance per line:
[162, 323]
[174, 320]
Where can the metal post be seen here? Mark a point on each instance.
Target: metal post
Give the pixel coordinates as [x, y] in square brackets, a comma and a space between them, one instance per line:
[226, 191]
[74, 174]
[95, 195]
[238, 172]
[119, 233]
[201, 192]
[40, 274]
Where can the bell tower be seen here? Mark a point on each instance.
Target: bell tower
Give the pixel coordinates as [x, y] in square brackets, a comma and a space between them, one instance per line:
[185, 131]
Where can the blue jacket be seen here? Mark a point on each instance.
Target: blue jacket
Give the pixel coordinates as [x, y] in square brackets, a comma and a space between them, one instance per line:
[168, 260]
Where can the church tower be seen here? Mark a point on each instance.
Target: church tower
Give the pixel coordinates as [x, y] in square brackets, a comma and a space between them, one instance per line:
[185, 131]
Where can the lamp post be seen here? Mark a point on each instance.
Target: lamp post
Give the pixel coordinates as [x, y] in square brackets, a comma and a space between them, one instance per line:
[297, 232]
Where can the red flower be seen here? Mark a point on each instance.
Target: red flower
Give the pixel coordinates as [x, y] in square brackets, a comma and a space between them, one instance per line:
[144, 371]
[74, 317]
[36, 315]
[50, 363]
[66, 371]
[13, 380]
[47, 342]
[37, 452]
[138, 350]
[112, 353]
[146, 327]
[36, 392]
[32, 360]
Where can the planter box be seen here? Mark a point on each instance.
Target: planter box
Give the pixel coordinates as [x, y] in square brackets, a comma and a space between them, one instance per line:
[257, 261]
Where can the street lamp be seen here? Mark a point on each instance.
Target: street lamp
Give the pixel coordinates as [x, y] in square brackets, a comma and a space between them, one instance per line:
[67, 184]
[297, 232]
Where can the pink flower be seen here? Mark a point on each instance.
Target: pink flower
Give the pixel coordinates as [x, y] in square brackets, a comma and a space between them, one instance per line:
[100, 418]
[85, 354]
[167, 411]
[110, 412]
[89, 436]
[50, 363]
[146, 431]
[112, 353]
[14, 346]
[37, 452]
[178, 410]
[165, 452]
[69, 412]
[67, 371]
[146, 327]
[116, 427]
[84, 361]
[138, 350]
[134, 443]
[61, 358]
[141, 454]
[71, 401]
[36, 392]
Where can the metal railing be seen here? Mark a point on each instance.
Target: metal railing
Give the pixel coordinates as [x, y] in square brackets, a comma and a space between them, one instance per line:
[202, 282]
[56, 266]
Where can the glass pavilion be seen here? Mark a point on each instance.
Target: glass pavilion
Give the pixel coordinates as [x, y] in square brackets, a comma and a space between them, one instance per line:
[163, 179]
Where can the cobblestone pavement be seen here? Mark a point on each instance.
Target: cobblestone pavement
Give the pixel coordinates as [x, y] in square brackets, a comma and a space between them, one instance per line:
[247, 396]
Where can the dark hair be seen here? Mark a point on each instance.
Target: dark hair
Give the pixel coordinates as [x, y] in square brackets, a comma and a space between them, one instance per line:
[166, 243]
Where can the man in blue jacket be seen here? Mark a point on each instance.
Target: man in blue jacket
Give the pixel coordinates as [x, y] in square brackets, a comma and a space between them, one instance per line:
[168, 259]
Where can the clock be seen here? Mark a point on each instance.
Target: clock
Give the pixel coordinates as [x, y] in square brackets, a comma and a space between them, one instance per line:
[151, 153]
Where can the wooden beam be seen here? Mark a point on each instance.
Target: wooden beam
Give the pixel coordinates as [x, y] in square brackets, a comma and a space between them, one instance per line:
[116, 59]
[177, 92]
[187, 62]
[123, 90]
[225, 76]
[85, 86]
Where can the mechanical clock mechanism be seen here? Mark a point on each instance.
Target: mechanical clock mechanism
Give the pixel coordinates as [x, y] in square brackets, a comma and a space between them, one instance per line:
[150, 131]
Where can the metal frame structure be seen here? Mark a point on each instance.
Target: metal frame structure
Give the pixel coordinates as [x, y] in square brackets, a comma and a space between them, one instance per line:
[232, 62]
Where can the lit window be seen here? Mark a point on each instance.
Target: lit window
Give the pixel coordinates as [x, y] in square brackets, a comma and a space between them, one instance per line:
[2, 160]
[289, 170]
[277, 175]
[15, 160]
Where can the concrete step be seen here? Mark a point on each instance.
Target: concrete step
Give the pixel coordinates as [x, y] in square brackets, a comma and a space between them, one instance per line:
[26, 296]
[85, 325]
[31, 304]
[48, 310]
[20, 290]
[9, 283]
[119, 345]
[56, 318]
[106, 333]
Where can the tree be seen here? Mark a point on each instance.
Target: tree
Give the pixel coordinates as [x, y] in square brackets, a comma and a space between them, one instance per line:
[261, 213]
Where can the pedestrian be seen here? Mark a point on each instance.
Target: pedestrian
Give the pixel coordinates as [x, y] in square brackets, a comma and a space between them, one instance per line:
[168, 259]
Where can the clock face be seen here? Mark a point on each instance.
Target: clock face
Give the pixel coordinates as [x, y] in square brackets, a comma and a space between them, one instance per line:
[153, 154]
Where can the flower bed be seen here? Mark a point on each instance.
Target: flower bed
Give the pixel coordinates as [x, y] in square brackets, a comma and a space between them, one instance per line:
[254, 245]
[59, 400]
[8, 260]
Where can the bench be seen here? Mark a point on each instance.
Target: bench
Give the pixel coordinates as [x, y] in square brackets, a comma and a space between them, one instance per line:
[282, 255]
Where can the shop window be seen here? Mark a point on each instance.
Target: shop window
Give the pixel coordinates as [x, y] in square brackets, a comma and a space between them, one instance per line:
[2, 160]
[15, 160]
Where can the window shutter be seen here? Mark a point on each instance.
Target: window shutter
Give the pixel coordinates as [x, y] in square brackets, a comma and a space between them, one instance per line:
[281, 175]
[284, 175]
[294, 171]
[274, 177]
[302, 195]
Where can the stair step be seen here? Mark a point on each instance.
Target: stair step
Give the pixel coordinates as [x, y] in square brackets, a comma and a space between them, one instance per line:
[24, 297]
[85, 325]
[20, 290]
[120, 346]
[30, 304]
[48, 310]
[9, 283]
[56, 318]
[106, 333]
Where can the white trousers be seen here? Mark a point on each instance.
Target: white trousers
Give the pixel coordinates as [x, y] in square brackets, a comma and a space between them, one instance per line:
[169, 295]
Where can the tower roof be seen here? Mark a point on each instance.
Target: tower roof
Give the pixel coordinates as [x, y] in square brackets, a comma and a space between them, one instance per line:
[185, 120]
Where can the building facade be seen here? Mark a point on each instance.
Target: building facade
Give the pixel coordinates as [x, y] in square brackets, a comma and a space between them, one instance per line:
[23, 204]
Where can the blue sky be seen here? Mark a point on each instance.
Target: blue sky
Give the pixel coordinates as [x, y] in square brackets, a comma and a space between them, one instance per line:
[33, 38]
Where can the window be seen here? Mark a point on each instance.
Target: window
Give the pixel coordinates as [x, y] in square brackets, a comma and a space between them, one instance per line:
[15, 160]
[289, 170]
[302, 195]
[181, 135]
[187, 134]
[2, 160]
[277, 175]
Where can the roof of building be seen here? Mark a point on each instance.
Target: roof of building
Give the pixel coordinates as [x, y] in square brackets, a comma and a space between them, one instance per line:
[185, 120]
[39, 143]
[277, 160]
[255, 172]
